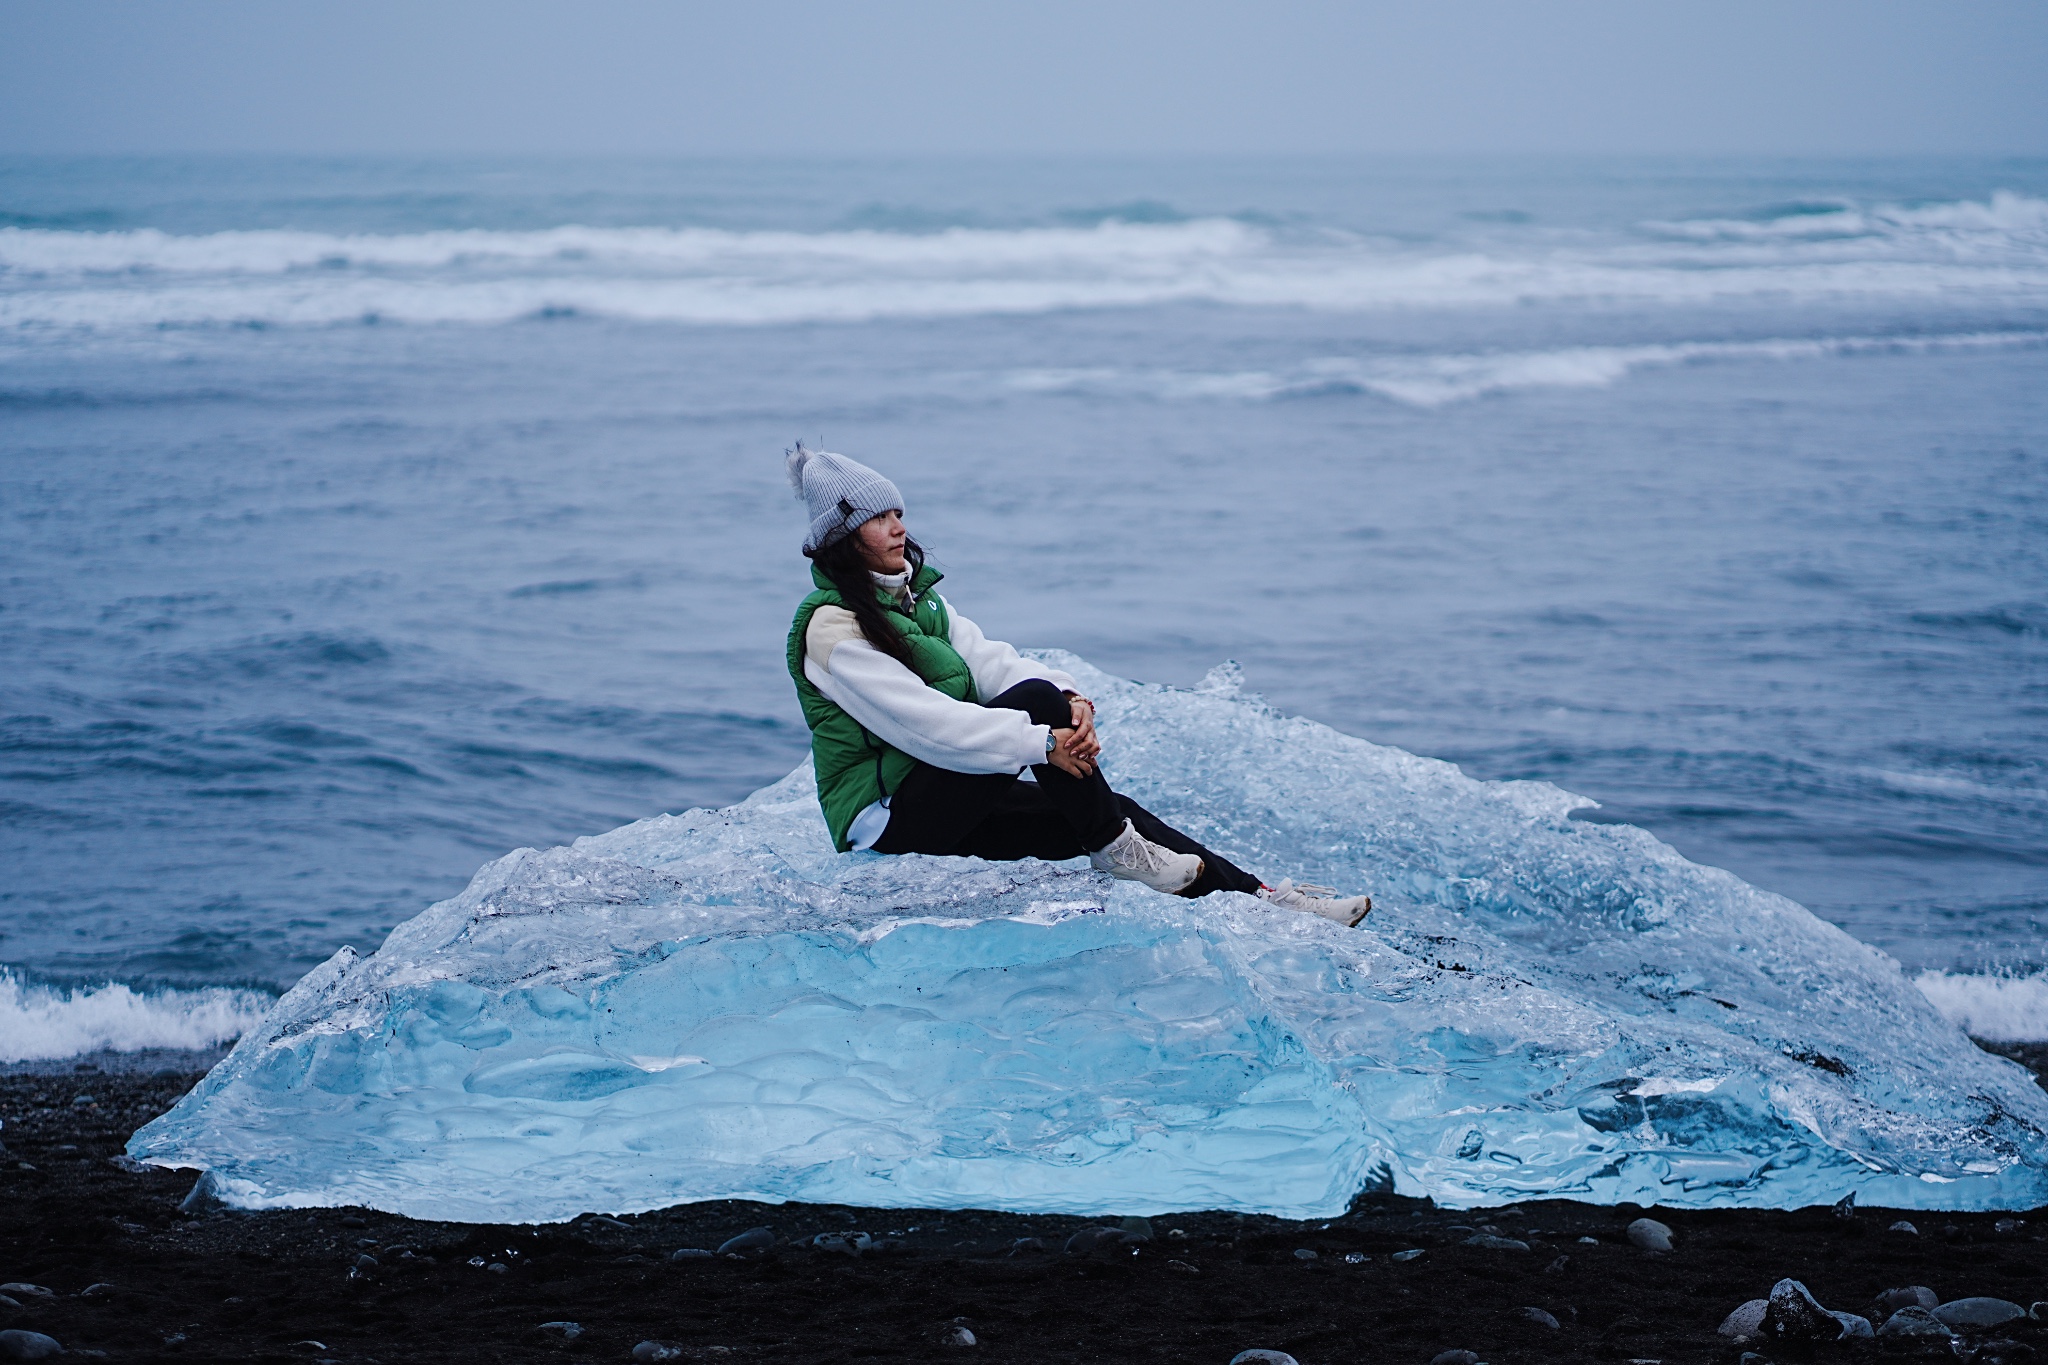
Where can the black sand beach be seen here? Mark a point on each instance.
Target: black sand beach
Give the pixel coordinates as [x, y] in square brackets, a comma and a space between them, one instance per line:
[133, 1276]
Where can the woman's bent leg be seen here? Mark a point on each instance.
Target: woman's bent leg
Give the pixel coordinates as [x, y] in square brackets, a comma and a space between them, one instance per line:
[1088, 804]
[1218, 873]
[995, 816]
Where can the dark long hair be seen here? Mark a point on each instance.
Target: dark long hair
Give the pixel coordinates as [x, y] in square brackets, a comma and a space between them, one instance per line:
[843, 563]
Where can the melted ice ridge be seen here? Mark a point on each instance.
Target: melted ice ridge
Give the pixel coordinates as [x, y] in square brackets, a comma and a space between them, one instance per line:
[714, 1005]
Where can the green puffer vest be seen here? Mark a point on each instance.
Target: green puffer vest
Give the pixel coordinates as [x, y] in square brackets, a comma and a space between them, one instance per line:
[854, 768]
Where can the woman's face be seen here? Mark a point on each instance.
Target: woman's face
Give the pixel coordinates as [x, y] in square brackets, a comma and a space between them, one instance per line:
[881, 542]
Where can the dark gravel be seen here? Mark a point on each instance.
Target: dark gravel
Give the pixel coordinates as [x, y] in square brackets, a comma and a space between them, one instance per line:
[358, 1286]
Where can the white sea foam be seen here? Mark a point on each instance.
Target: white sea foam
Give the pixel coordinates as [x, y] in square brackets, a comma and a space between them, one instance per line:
[40, 1022]
[1434, 380]
[2004, 1009]
[1996, 251]
[2003, 213]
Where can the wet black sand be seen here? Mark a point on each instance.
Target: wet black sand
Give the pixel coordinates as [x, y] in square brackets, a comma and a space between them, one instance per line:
[219, 1286]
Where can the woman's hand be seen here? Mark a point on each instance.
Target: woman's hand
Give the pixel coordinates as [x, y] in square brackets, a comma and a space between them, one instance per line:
[1085, 744]
[1064, 758]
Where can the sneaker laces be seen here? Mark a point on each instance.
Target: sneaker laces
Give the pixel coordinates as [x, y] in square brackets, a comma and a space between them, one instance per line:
[1142, 855]
[1308, 890]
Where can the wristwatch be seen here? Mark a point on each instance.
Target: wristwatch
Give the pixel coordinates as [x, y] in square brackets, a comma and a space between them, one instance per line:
[1050, 742]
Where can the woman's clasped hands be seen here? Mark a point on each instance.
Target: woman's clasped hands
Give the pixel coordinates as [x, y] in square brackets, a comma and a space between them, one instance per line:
[1076, 748]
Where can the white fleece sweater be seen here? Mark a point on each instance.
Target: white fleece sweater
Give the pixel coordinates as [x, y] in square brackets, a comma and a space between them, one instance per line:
[900, 709]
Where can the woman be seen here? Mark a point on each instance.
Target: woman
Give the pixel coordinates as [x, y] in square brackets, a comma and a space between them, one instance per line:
[921, 726]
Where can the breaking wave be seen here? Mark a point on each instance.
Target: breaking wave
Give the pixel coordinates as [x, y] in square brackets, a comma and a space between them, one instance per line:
[43, 1022]
[2003, 1009]
[1996, 250]
[1434, 380]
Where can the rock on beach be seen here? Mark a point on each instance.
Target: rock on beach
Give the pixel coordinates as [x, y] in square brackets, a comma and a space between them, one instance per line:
[1650, 1235]
[1914, 1321]
[1793, 1314]
[1746, 1323]
[19, 1345]
[1978, 1314]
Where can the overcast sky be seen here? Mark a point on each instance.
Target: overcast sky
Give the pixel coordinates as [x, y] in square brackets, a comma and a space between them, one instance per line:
[1060, 76]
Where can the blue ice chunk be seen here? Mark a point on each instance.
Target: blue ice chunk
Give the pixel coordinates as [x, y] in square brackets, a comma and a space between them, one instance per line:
[714, 1005]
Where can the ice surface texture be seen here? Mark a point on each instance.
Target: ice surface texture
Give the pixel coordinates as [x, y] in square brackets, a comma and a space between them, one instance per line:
[714, 1005]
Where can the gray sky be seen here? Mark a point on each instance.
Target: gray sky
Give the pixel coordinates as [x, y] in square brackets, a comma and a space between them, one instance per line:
[1088, 76]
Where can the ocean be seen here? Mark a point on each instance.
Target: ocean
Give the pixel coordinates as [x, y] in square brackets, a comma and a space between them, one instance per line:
[365, 519]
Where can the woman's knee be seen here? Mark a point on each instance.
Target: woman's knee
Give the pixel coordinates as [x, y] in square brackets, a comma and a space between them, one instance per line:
[1039, 699]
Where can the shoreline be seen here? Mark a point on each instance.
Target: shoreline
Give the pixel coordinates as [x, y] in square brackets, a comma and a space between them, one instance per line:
[135, 1276]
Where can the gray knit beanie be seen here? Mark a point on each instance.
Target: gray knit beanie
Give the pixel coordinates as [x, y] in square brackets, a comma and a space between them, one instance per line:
[841, 494]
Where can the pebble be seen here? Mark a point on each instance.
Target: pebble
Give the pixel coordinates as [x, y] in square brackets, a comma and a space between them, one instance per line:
[1853, 1324]
[1356, 1258]
[495, 1268]
[1184, 1267]
[308, 1345]
[1098, 1239]
[22, 1289]
[1408, 1255]
[1793, 1314]
[1538, 1317]
[1846, 1207]
[1304, 1254]
[19, 1345]
[1028, 1244]
[1912, 1296]
[1914, 1321]
[692, 1254]
[1650, 1235]
[1904, 1229]
[1589, 1241]
[1746, 1323]
[351, 1220]
[2005, 1227]
[1456, 1358]
[648, 1352]
[8, 1303]
[958, 1335]
[1486, 1241]
[567, 1331]
[753, 1239]
[1979, 1314]
[1260, 1356]
[365, 1262]
[2039, 1311]
[96, 1291]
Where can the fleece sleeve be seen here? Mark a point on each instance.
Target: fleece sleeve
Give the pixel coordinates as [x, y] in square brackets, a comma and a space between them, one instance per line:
[898, 708]
[996, 666]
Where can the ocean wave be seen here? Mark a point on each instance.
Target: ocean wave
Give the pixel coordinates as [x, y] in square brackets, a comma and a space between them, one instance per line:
[44, 1022]
[2003, 1009]
[2003, 214]
[1434, 380]
[1993, 251]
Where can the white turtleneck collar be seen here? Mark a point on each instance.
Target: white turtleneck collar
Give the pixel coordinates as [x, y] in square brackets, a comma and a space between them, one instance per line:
[897, 585]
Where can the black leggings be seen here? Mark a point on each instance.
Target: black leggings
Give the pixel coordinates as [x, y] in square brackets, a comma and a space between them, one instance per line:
[995, 816]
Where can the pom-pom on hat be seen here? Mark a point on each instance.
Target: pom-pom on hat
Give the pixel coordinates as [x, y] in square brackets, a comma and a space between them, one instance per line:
[840, 493]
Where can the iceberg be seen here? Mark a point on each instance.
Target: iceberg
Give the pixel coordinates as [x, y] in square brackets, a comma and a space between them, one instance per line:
[714, 1005]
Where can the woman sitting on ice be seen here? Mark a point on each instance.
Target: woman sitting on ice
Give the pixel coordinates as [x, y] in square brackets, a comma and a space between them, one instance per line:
[921, 726]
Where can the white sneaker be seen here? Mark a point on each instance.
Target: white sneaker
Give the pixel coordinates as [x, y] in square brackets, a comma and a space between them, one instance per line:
[1319, 900]
[1132, 857]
